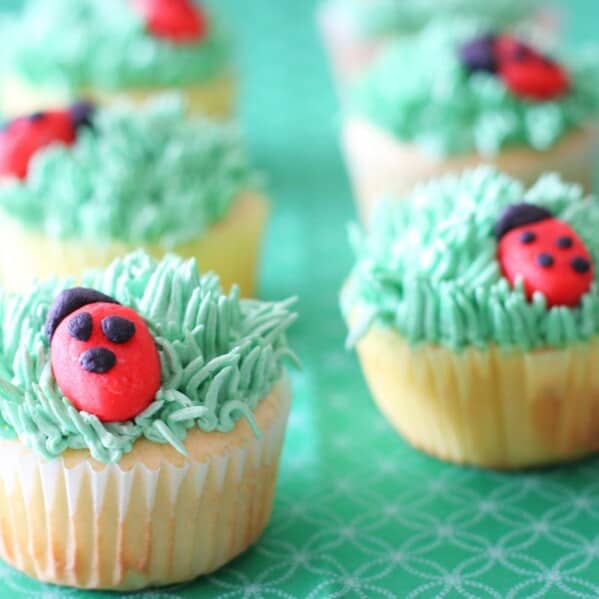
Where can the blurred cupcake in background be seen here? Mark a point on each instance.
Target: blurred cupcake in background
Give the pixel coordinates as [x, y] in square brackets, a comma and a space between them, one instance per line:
[80, 187]
[59, 50]
[356, 31]
[457, 95]
[474, 308]
[142, 420]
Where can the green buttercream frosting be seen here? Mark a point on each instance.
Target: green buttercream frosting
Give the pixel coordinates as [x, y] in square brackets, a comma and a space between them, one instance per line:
[428, 268]
[104, 43]
[139, 176]
[420, 92]
[382, 17]
[220, 356]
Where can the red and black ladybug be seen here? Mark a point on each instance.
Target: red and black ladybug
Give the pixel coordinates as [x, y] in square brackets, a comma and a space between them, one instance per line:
[545, 252]
[525, 71]
[103, 356]
[22, 137]
[178, 21]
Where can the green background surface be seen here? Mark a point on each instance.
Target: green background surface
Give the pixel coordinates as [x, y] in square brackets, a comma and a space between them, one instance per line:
[358, 513]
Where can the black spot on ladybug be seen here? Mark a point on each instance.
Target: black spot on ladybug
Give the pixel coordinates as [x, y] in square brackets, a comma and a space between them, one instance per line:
[36, 116]
[580, 265]
[545, 260]
[479, 54]
[527, 237]
[564, 243]
[97, 359]
[70, 300]
[80, 326]
[117, 329]
[518, 215]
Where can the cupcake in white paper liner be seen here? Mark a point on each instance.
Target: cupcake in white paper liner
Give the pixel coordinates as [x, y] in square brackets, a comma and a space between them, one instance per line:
[142, 419]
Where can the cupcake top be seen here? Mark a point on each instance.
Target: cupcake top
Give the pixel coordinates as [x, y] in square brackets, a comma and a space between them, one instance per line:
[125, 174]
[477, 260]
[144, 349]
[383, 17]
[114, 44]
[469, 89]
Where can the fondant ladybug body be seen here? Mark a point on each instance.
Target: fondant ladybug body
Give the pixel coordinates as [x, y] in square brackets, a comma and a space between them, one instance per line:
[22, 137]
[528, 73]
[103, 356]
[545, 252]
[525, 72]
[178, 21]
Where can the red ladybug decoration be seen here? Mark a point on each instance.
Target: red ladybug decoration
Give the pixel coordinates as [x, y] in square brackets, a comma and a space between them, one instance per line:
[545, 252]
[22, 137]
[103, 355]
[525, 72]
[528, 73]
[178, 21]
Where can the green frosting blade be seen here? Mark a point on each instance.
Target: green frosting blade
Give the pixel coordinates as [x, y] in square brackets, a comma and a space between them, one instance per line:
[104, 44]
[138, 176]
[220, 356]
[428, 267]
[421, 93]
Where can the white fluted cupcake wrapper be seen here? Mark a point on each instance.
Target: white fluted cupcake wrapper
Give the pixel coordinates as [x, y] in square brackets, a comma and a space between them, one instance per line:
[149, 520]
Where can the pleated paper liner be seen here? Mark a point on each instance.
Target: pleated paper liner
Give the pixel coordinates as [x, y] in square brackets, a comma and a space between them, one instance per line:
[487, 407]
[154, 518]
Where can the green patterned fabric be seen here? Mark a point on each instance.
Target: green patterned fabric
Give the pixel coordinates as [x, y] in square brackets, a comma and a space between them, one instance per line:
[358, 513]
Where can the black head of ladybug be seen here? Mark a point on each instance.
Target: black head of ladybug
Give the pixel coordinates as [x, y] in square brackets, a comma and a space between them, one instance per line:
[517, 215]
[22, 137]
[103, 355]
[70, 300]
[479, 54]
[82, 114]
[545, 253]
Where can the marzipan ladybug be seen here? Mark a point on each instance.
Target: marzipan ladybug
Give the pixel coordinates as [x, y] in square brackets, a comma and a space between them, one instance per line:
[22, 137]
[178, 21]
[545, 252]
[526, 72]
[103, 356]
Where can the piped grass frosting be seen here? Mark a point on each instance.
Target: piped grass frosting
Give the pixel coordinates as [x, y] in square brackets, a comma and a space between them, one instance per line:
[379, 17]
[219, 357]
[429, 267]
[89, 43]
[137, 175]
[420, 92]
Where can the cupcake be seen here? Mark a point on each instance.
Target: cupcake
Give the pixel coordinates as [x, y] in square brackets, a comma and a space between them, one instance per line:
[141, 420]
[80, 187]
[474, 308]
[456, 96]
[356, 31]
[59, 50]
